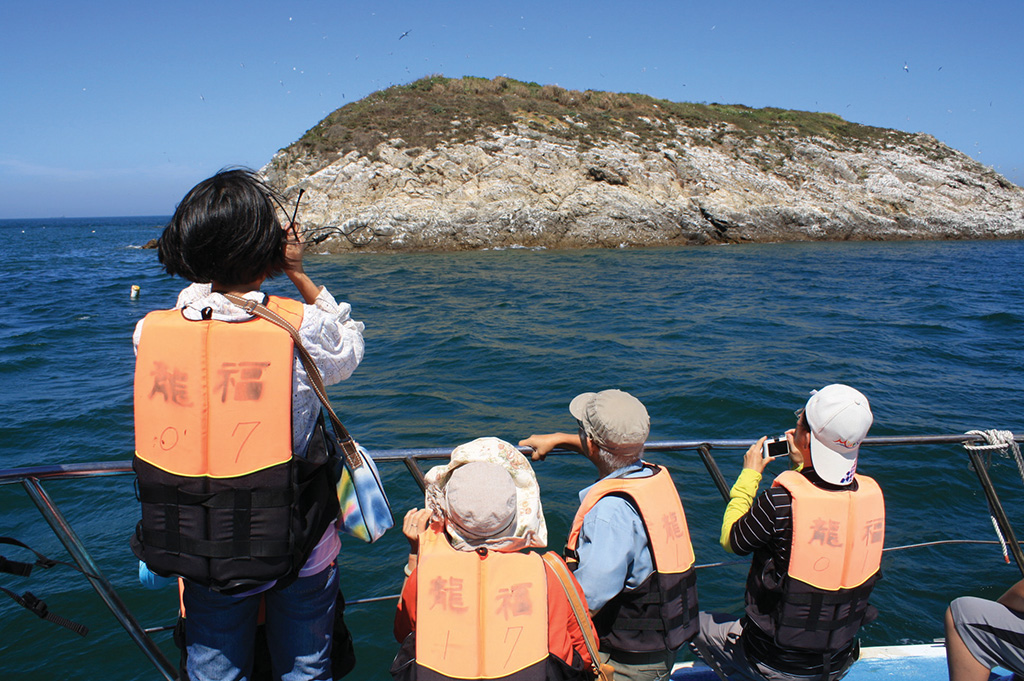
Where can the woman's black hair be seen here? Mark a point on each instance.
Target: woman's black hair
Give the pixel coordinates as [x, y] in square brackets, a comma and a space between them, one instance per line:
[226, 230]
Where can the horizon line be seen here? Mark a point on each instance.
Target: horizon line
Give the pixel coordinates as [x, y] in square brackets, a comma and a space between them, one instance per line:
[166, 217]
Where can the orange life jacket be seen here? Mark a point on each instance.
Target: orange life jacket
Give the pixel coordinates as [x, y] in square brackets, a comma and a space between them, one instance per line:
[224, 501]
[480, 614]
[213, 398]
[837, 535]
[834, 563]
[661, 614]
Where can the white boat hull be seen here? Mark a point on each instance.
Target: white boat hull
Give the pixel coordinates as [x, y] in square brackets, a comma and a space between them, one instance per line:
[924, 662]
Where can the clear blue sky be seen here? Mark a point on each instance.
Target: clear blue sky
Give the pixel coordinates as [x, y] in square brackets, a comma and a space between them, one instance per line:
[118, 108]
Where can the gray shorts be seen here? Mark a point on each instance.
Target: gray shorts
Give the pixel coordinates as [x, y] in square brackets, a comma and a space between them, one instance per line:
[718, 644]
[992, 632]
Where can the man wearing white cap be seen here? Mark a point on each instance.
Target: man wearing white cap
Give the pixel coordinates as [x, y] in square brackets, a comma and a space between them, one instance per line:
[816, 537]
[629, 544]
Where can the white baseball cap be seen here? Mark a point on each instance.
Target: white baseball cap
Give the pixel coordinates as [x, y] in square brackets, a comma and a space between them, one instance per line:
[839, 418]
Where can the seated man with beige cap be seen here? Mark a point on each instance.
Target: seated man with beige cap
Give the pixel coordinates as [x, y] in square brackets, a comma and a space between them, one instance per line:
[629, 544]
[478, 604]
[816, 536]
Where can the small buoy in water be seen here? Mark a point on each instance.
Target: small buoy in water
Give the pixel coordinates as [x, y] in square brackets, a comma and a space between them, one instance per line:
[135, 291]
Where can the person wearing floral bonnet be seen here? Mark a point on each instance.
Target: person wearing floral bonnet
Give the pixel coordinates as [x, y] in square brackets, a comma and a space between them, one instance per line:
[473, 577]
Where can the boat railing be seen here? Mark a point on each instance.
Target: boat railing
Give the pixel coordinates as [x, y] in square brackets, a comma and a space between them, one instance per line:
[32, 479]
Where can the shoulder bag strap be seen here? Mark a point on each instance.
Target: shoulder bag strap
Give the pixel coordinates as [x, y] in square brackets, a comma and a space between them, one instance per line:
[582, 616]
[348, 446]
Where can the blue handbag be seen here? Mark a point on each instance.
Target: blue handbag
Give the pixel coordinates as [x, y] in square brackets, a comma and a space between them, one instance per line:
[365, 511]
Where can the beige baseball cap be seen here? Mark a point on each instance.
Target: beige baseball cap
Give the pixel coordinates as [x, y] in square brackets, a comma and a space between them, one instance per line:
[614, 419]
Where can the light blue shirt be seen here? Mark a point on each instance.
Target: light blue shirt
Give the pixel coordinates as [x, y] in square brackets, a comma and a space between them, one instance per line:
[613, 550]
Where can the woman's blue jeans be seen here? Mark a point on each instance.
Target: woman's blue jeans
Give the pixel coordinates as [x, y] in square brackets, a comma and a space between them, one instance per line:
[220, 630]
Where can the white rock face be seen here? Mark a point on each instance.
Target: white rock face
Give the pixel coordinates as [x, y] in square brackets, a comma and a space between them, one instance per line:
[521, 188]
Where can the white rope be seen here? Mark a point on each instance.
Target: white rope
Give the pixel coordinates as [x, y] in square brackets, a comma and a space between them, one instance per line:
[999, 533]
[997, 440]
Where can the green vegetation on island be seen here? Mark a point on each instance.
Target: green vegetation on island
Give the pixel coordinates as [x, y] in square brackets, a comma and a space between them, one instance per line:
[435, 110]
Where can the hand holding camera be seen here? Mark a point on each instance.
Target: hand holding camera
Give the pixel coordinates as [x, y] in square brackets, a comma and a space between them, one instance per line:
[764, 451]
[774, 447]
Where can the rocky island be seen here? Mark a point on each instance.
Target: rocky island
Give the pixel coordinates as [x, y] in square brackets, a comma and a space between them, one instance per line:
[471, 163]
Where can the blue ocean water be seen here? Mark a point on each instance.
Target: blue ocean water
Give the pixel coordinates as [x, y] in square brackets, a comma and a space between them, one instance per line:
[719, 342]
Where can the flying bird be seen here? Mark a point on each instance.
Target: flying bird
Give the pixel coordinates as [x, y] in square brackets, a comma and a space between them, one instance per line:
[403, 35]
[905, 67]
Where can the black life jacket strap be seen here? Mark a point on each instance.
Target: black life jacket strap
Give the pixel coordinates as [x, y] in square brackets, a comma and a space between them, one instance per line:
[242, 503]
[176, 543]
[658, 596]
[652, 597]
[14, 567]
[40, 609]
[683, 588]
[171, 495]
[759, 647]
[648, 624]
[817, 601]
[21, 569]
[827, 659]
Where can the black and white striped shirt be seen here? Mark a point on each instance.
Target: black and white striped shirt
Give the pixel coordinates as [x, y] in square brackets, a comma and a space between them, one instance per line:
[767, 526]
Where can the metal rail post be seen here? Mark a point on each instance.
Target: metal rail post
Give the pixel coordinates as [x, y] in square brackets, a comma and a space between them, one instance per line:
[712, 466]
[997, 508]
[417, 474]
[99, 582]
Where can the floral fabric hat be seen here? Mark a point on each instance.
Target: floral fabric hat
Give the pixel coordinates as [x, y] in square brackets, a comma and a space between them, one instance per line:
[530, 528]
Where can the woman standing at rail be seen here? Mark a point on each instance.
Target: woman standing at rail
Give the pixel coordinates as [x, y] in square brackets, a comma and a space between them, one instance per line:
[230, 446]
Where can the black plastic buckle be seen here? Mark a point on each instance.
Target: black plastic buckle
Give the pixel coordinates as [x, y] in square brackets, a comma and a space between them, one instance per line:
[36, 605]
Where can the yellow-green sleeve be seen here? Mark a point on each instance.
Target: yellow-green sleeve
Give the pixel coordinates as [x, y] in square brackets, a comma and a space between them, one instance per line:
[741, 498]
